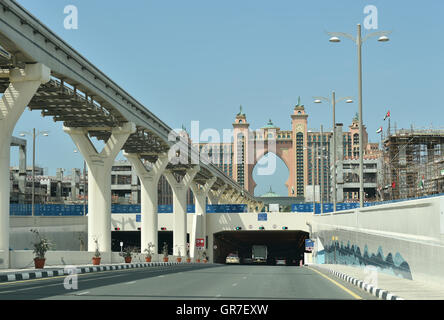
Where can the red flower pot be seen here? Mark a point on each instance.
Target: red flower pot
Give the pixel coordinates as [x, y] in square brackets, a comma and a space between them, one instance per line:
[179, 259]
[148, 259]
[96, 261]
[188, 260]
[198, 260]
[127, 259]
[165, 259]
[39, 263]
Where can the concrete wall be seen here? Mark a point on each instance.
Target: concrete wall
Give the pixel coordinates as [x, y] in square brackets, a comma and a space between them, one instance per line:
[405, 238]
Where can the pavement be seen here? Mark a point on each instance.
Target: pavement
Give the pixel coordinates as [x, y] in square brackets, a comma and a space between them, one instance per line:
[190, 282]
[384, 286]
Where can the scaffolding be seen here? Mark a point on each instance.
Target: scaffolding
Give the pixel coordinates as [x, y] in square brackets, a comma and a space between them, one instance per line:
[413, 163]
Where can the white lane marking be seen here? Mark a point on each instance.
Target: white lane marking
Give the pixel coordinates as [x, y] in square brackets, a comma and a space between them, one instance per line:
[82, 293]
[161, 276]
[131, 282]
[234, 284]
[218, 296]
[244, 278]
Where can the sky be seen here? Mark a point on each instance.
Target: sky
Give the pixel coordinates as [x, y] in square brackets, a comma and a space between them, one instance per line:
[199, 60]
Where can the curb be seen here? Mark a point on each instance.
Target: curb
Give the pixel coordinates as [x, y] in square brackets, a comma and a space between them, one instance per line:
[17, 276]
[380, 293]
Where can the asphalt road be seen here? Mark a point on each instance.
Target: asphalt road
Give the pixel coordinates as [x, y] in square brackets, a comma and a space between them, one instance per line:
[191, 282]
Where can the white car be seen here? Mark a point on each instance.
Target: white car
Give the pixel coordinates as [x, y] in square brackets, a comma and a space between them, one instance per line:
[232, 258]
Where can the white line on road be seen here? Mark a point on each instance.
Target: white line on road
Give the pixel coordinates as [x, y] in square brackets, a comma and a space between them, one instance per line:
[244, 278]
[82, 293]
[234, 284]
[131, 282]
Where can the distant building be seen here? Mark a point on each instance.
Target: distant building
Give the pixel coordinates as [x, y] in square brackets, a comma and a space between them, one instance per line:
[296, 147]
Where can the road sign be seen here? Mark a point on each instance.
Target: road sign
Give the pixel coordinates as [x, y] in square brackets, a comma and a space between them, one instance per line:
[309, 245]
[262, 217]
[200, 243]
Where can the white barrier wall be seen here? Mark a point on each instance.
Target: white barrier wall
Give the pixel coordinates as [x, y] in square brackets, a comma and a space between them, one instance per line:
[21, 259]
[405, 238]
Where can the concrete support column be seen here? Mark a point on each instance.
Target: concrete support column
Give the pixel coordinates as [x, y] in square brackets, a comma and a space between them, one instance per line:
[22, 87]
[149, 180]
[214, 197]
[199, 219]
[180, 190]
[99, 180]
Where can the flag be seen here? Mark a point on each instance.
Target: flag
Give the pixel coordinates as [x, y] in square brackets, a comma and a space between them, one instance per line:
[387, 115]
[379, 130]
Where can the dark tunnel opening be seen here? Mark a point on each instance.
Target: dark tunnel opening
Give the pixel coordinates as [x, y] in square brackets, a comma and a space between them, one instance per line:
[285, 244]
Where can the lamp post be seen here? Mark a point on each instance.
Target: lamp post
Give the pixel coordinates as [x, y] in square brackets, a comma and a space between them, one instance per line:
[333, 101]
[359, 41]
[34, 135]
[313, 174]
[84, 185]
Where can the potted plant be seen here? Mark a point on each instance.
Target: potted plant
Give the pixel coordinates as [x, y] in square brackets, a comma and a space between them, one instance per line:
[96, 259]
[165, 252]
[40, 247]
[179, 255]
[149, 252]
[127, 254]
[205, 257]
[199, 253]
[188, 256]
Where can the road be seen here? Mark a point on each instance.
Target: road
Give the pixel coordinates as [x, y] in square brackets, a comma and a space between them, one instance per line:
[208, 282]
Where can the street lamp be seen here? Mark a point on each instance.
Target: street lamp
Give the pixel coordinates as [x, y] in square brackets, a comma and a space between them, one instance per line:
[359, 41]
[84, 185]
[333, 101]
[34, 135]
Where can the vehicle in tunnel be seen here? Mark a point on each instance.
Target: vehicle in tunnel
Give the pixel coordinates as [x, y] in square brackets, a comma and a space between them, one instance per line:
[232, 258]
[259, 254]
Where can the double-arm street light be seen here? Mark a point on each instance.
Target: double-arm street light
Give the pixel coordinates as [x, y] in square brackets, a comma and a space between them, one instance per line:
[359, 41]
[333, 102]
[34, 135]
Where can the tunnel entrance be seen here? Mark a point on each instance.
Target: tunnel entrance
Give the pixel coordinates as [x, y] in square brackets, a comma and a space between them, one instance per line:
[286, 244]
[132, 239]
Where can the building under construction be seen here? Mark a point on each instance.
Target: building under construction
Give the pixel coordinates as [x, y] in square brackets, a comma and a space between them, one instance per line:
[413, 164]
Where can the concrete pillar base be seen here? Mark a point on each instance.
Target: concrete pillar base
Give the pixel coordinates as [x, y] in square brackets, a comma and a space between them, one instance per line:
[99, 181]
[23, 85]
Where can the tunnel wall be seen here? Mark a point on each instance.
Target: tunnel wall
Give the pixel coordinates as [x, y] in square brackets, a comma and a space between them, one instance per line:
[404, 239]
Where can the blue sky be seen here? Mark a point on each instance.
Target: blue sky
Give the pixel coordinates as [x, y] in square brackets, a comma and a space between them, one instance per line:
[199, 60]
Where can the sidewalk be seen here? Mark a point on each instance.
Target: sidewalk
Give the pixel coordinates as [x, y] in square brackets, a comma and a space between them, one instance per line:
[388, 287]
[7, 275]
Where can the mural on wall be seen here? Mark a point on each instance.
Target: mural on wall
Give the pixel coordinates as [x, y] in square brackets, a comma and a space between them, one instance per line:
[337, 253]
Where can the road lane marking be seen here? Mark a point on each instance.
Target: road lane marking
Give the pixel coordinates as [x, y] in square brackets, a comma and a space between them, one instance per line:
[234, 284]
[131, 282]
[244, 278]
[354, 295]
[82, 293]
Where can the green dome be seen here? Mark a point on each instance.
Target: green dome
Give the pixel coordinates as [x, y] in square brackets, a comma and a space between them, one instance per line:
[270, 194]
[269, 125]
